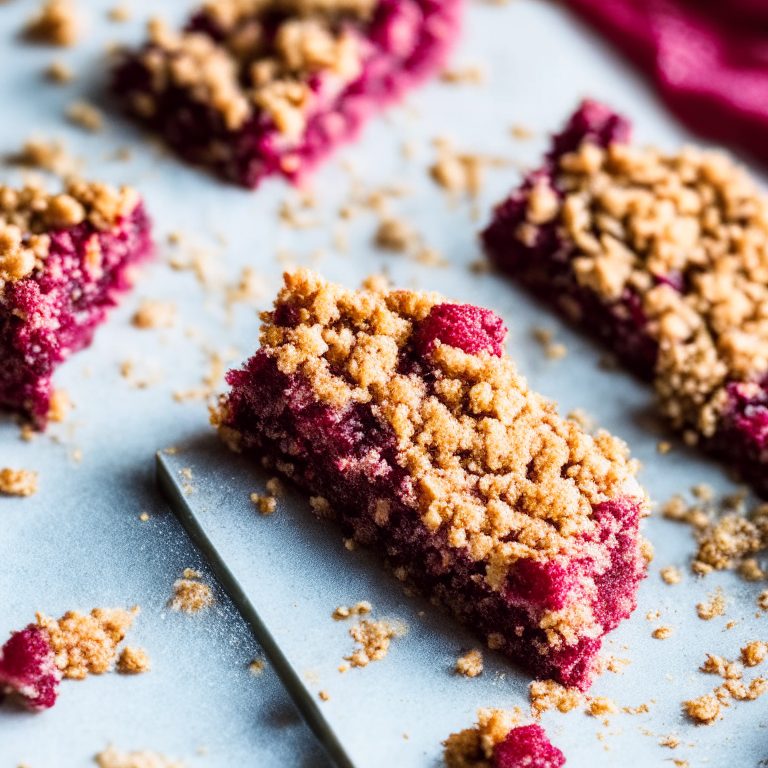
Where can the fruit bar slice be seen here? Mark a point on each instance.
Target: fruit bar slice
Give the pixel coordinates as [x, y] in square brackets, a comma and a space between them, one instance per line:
[498, 742]
[33, 661]
[252, 88]
[665, 257]
[402, 417]
[64, 261]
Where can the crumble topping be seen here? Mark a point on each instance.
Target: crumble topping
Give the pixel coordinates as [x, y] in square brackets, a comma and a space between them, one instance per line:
[18, 482]
[662, 633]
[488, 458]
[133, 661]
[59, 72]
[266, 504]
[672, 741]
[714, 606]
[685, 233]
[189, 595]
[253, 69]
[86, 644]
[85, 115]
[473, 747]
[54, 24]
[48, 156]
[547, 694]
[60, 405]
[704, 710]
[753, 653]
[155, 314]
[114, 758]
[671, 575]
[470, 664]
[374, 639]
[359, 609]
[599, 706]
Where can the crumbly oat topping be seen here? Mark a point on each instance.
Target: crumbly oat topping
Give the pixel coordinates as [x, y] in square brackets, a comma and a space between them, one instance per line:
[687, 234]
[114, 758]
[252, 69]
[662, 633]
[344, 612]
[54, 24]
[704, 710]
[18, 482]
[473, 747]
[470, 664]
[753, 653]
[86, 644]
[671, 575]
[599, 706]
[374, 639]
[324, 695]
[395, 235]
[487, 457]
[672, 741]
[132, 661]
[461, 172]
[547, 694]
[85, 115]
[59, 406]
[712, 607]
[46, 155]
[155, 314]
[266, 504]
[190, 596]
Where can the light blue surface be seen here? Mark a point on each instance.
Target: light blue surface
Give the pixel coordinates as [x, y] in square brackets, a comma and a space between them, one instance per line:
[79, 542]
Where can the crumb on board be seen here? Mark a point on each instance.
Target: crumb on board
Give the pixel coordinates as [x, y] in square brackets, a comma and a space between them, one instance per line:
[750, 570]
[470, 664]
[460, 172]
[119, 13]
[191, 573]
[132, 661]
[275, 486]
[154, 313]
[547, 694]
[599, 706]
[59, 406]
[672, 741]
[664, 446]
[473, 747]
[59, 72]
[45, 155]
[358, 609]
[671, 575]
[18, 482]
[266, 504]
[324, 695]
[616, 665]
[396, 234]
[190, 596]
[704, 710]
[144, 516]
[257, 666]
[712, 607]
[85, 115]
[374, 639]
[662, 633]
[521, 132]
[470, 74]
[552, 349]
[55, 23]
[115, 758]
[753, 653]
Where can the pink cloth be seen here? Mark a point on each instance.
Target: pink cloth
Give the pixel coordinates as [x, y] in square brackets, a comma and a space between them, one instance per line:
[709, 59]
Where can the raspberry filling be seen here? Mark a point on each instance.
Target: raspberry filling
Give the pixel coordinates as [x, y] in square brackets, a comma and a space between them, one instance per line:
[465, 326]
[27, 668]
[527, 747]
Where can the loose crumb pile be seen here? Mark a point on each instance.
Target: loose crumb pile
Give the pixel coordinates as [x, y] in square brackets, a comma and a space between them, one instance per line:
[86, 644]
[60, 73]
[672, 741]
[461, 173]
[359, 609]
[671, 575]
[552, 349]
[547, 694]
[155, 314]
[18, 482]
[59, 406]
[190, 595]
[46, 155]
[85, 115]
[473, 747]
[54, 24]
[133, 661]
[374, 639]
[662, 633]
[470, 664]
[712, 607]
[266, 504]
[599, 706]
[114, 758]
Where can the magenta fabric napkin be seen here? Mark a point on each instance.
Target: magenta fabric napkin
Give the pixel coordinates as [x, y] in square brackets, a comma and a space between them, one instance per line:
[708, 58]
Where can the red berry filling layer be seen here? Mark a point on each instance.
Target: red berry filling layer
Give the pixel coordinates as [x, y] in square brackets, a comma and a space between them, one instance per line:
[27, 668]
[527, 747]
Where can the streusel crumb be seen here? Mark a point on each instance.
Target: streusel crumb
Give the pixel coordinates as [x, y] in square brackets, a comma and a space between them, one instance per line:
[190, 596]
[374, 638]
[662, 633]
[114, 758]
[18, 482]
[671, 575]
[472, 747]
[85, 115]
[59, 406]
[266, 504]
[599, 706]
[359, 609]
[672, 741]
[155, 314]
[470, 664]
[132, 661]
[714, 606]
[45, 155]
[704, 710]
[54, 24]
[60, 73]
[546, 694]
[86, 644]
[753, 653]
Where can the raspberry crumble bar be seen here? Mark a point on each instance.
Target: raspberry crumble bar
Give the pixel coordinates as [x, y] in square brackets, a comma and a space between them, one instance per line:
[665, 257]
[498, 742]
[399, 412]
[64, 261]
[252, 88]
[34, 660]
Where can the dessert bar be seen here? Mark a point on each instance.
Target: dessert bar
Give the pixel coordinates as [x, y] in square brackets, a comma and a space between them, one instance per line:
[401, 415]
[664, 257]
[252, 88]
[64, 261]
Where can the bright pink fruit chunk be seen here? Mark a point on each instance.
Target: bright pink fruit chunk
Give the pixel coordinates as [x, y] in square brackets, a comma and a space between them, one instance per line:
[527, 747]
[27, 668]
[471, 329]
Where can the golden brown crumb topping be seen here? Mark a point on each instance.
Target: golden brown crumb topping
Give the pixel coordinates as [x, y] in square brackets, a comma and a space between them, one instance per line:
[547, 694]
[155, 314]
[190, 596]
[374, 639]
[344, 612]
[712, 607]
[489, 460]
[54, 24]
[641, 220]
[251, 69]
[704, 710]
[753, 653]
[86, 644]
[59, 405]
[18, 482]
[473, 747]
[85, 115]
[599, 706]
[133, 661]
[114, 758]
[470, 664]
[671, 575]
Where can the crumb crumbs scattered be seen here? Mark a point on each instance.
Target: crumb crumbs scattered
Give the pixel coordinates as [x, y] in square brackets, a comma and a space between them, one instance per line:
[470, 664]
[704, 710]
[546, 694]
[59, 406]
[753, 653]
[374, 639]
[155, 314]
[85, 115]
[257, 666]
[324, 695]
[616, 664]
[521, 132]
[460, 172]
[762, 600]
[662, 633]
[714, 606]
[359, 609]
[266, 504]
[114, 758]
[599, 706]
[60, 73]
[119, 13]
[639, 710]
[18, 482]
[552, 349]
[133, 661]
[144, 516]
[664, 446]
[749, 570]
[45, 155]
[671, 575]
[672, 741]
[54, 24]
[191, 573]
[472, 74]
[190, 596]
[394, 234]
[275, 486]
